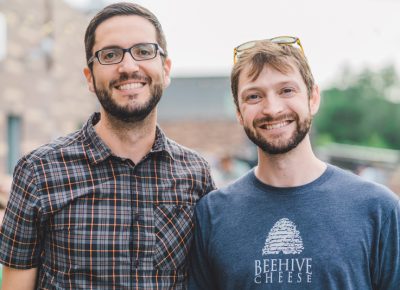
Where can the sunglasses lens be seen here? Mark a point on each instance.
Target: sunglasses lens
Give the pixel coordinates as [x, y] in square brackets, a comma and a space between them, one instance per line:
[245, 46]
[239, 49]
[284, 39]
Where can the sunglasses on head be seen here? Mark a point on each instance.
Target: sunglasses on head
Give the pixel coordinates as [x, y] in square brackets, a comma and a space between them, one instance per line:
[281, 40]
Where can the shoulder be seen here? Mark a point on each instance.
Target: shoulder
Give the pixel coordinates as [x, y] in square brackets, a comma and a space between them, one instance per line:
[184, 154]
[230, 195]
[353, 182]
[52, 151]
[189, 165]
[364, 192]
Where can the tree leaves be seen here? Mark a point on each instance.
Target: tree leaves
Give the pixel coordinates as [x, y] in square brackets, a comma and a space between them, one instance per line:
[360, 110]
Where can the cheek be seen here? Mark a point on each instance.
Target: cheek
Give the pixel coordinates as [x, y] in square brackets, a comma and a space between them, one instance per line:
[300, 107]
[247, 115]
[106, 73]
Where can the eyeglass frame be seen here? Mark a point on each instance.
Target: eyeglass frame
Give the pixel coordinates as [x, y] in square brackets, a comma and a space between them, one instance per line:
[295, 40]
[158, 48]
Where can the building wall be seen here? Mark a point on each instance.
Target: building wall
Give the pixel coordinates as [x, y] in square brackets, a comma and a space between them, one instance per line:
[42, 83]
[200, 98]
[41, 79]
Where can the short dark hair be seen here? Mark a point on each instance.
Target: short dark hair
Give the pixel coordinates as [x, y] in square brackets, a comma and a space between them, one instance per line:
[121, 9]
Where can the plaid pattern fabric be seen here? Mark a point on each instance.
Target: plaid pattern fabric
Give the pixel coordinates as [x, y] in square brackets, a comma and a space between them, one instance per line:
[91, 220]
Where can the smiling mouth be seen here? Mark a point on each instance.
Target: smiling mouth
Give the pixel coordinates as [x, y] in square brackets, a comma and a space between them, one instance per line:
[276, 125]
[130, 86]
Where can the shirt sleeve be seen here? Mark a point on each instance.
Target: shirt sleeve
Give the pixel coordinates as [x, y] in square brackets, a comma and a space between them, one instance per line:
[210, 184]
[200, 270]
[389, 253]
[19, 233]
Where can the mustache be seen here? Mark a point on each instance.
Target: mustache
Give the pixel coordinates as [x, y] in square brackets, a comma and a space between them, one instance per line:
[135, 76]
[278, 118]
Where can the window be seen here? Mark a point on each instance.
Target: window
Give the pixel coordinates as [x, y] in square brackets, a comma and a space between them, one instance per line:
[14, 141]
[3, 36]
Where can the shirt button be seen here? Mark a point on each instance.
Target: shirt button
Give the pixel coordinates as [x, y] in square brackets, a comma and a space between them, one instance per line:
[136, 263]
[137, 217]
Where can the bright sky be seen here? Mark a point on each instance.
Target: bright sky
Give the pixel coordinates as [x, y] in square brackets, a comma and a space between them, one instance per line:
[201, 34]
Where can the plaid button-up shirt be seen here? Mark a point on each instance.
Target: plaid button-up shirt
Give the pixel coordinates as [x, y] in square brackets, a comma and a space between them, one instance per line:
[91, 220]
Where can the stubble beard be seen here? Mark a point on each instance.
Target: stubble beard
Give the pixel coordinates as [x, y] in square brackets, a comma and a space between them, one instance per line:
[280, 146]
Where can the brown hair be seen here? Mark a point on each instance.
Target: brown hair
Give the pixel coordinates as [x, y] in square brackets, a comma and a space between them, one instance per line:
[276, 55]
[121, 9]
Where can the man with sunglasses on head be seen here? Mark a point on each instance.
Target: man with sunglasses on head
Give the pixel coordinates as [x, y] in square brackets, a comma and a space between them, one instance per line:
[292, 222]
[111, 205]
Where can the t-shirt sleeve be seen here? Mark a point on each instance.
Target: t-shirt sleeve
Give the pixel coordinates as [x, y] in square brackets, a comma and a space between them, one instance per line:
[19, 233]
[200, 270]
[388, 270]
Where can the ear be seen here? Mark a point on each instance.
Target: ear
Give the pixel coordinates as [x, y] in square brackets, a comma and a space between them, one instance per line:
[315, 100]
[89, 78]
[167, 71]
[239, 117]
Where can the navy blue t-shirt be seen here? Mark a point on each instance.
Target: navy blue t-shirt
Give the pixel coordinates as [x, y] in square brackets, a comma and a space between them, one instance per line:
[335, 233]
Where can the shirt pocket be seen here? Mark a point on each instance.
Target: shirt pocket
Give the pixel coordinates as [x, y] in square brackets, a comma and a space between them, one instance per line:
[173, 230]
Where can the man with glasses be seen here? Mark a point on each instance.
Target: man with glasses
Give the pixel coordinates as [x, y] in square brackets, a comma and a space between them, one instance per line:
[109, 206]
[292, 222]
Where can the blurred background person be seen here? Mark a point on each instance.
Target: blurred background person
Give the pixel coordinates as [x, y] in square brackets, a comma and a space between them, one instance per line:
[228, 168]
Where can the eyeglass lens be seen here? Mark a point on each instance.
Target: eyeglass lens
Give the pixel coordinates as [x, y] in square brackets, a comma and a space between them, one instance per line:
[142, 51]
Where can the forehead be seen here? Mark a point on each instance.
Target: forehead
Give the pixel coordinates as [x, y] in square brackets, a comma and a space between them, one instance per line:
[124, 31]
[270, 76]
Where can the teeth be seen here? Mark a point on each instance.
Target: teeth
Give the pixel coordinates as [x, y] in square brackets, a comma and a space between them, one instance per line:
[277, 125]
[130, 86]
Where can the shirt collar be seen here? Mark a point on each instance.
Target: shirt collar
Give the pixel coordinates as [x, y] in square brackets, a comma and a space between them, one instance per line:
[162, 143]
[97, 151]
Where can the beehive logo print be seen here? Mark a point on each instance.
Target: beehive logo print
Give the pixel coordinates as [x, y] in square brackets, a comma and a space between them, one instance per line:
[283, 237]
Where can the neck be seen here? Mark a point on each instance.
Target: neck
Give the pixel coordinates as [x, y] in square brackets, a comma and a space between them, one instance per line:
[297, 167]
[128, 140]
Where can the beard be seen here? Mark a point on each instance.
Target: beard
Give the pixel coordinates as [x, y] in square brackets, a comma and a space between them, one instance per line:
[126, 113]
[280, 146]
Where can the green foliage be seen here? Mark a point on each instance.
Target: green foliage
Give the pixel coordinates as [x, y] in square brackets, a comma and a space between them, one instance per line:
[360, 111]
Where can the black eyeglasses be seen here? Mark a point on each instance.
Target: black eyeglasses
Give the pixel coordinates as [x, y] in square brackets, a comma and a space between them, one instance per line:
[139, 52]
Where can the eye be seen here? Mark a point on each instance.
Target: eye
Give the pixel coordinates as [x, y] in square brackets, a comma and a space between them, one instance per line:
[287, 91]
[109, 55]
[143, 51]
[252, 98]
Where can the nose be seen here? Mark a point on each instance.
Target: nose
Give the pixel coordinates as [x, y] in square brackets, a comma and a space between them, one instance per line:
[272, 105]
[128, 64]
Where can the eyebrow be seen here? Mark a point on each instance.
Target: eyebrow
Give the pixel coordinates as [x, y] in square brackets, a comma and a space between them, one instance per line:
[292, 83]
[110, 47]
[279, 84]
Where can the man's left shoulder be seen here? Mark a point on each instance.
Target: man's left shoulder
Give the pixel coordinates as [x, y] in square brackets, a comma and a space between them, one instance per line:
[184, 154]
[365, 190]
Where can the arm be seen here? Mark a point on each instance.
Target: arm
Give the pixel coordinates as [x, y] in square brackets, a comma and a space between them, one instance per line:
[389, 252]
[19, 233]
[14, 279]
[200, 271]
